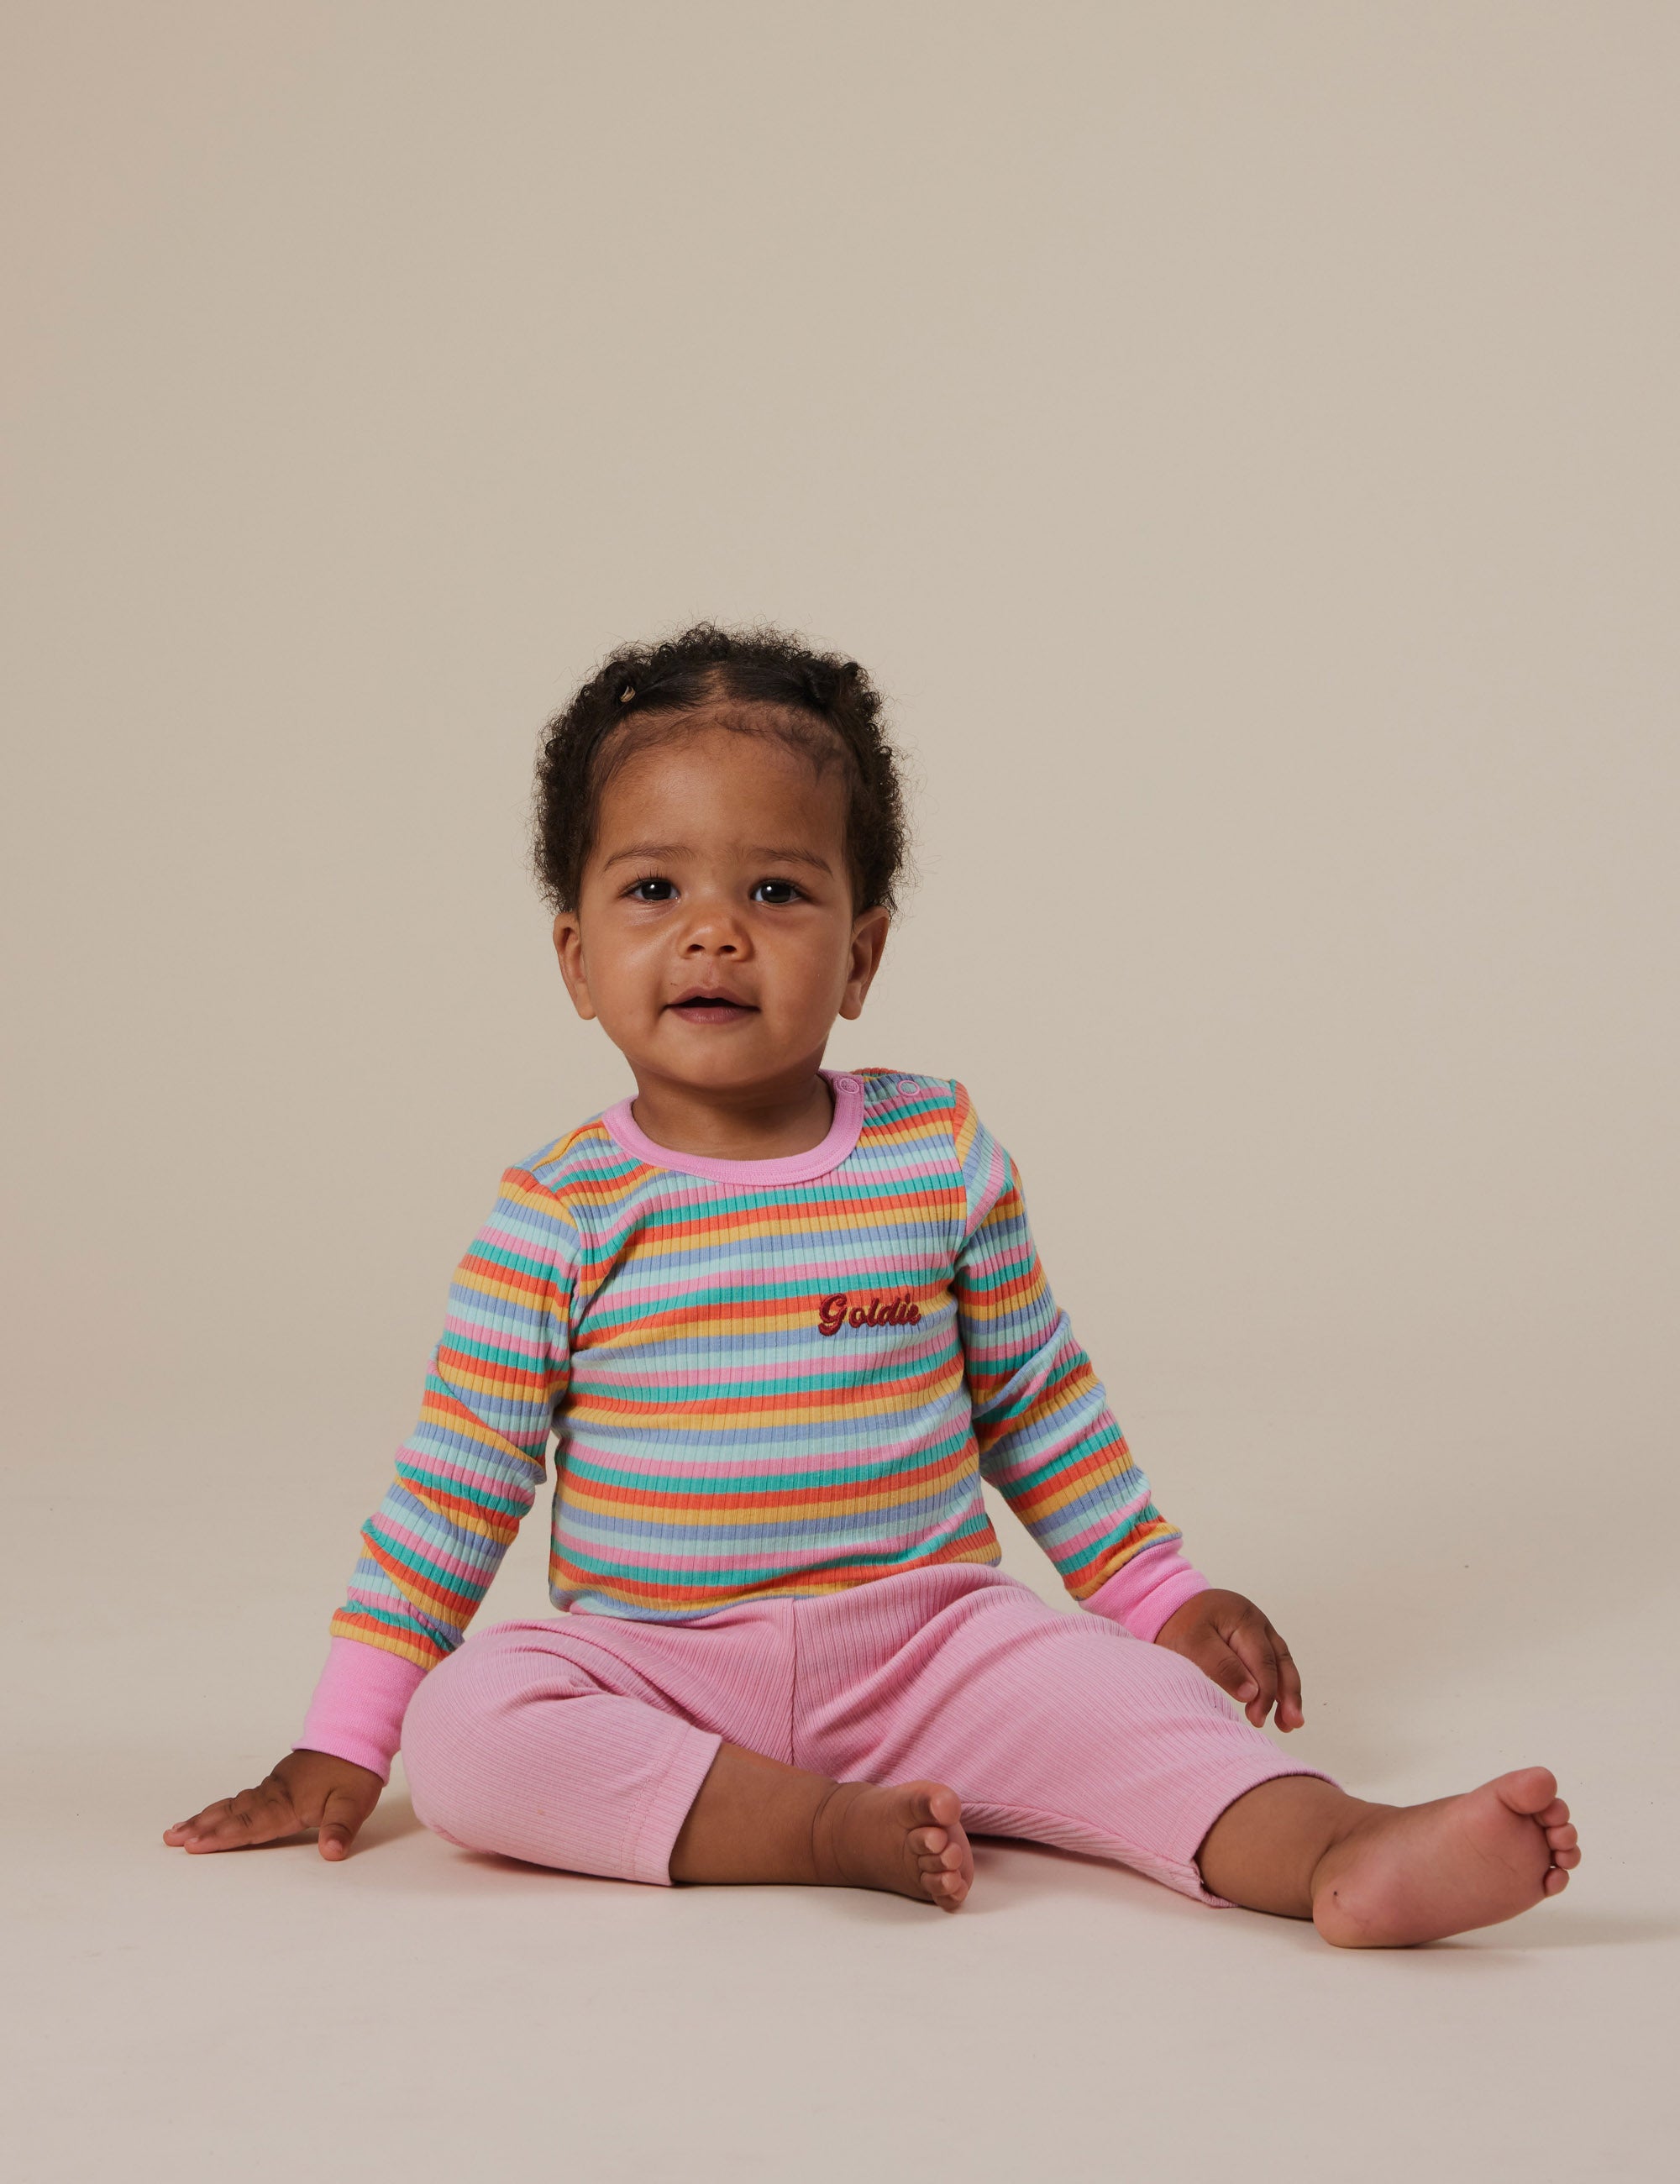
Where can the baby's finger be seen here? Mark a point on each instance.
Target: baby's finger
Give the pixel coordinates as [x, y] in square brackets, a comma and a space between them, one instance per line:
[255, 1816]
[1252, 1641]
[200, 1822]
[1290, 1713]
[341, 1817]
[1216, 1661]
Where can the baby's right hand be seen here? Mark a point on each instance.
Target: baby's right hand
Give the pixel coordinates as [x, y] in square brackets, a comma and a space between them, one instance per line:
[306, 1789]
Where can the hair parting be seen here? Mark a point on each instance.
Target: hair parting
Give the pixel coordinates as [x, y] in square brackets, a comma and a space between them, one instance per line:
[760, 681]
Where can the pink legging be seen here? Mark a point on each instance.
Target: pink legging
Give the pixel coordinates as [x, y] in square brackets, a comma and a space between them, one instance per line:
[582, 1740]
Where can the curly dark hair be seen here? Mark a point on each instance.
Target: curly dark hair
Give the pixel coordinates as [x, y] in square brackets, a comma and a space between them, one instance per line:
[824, 705]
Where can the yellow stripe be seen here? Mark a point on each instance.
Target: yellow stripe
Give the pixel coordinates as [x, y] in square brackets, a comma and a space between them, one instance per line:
[468, 1428]
[718, 1416]
[405, 1649]
[577, 1496]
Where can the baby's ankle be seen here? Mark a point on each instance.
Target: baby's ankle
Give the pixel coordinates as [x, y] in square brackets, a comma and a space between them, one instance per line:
[1356, 1821]
[1272, 1849]
[828, 1829]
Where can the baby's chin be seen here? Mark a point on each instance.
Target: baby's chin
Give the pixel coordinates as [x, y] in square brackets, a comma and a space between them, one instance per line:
[721, 1057]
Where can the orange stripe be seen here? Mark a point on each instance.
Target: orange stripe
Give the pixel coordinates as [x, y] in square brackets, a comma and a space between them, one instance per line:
[826, 1405]
[347, 1624]
[903, 1485]
[983, 1549]
[1097, 1573]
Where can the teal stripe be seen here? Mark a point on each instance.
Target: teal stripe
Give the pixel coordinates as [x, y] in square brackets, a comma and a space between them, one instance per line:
[419, 1564]
[484, 1253]
[489, 1352]
[709, 1580]
[415, 1478]
[585, 1464]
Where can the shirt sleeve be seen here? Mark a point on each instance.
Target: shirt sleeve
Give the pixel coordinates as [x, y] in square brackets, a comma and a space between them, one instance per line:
[465, 1477]
[1048, 1440]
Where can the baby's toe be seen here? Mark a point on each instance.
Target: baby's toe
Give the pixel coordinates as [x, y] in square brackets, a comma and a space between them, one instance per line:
[1556, 1880]
[1562, 1838]
[1555, 1814]
[928, 1840]
[1566, 1860]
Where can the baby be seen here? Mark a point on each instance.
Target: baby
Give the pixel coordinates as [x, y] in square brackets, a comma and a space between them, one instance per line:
[782, 1322]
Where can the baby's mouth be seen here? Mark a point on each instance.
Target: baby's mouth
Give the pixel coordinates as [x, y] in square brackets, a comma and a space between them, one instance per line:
[700, 1007]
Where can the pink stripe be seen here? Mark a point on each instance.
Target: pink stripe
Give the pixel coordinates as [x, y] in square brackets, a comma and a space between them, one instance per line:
[794, 1460]
[1035, 1458]
[827, 1275]
[519, 1242]
[497, 1333]
[448, 1469]
[912, 1356]
[771, 1561]
[1104, 1527]
[431, 1553]
[996, 1176]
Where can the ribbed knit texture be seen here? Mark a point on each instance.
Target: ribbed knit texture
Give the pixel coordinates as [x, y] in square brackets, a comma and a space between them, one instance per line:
[582, 1740]
[714, 1444]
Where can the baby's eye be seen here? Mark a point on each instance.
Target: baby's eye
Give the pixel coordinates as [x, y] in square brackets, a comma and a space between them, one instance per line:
[775, 891]
[650, 890]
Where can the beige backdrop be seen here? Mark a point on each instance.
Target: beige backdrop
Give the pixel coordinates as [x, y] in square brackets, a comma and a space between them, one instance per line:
[1241, 439]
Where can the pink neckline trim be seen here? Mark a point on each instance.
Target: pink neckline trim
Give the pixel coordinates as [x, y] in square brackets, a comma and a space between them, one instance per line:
[795, 1168]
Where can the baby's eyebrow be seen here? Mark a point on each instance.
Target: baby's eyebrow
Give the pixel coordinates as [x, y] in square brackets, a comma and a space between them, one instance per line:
[772, 857]
[648, 849]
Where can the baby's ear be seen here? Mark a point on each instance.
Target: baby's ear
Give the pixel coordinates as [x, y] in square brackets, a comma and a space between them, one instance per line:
[868, 938]
[568, 953]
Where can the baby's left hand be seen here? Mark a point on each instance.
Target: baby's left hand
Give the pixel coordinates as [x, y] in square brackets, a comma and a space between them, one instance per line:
[1234, 1645]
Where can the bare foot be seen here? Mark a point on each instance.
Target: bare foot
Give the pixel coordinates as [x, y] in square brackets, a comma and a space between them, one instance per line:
[1416, 1873]
[903, 1837]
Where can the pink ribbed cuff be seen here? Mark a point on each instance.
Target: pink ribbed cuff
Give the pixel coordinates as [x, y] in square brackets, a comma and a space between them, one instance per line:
[1143, 1592]
[661, 1820]
[359, 1704]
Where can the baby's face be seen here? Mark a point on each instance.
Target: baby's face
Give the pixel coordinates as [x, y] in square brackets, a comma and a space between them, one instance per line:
[714, 936]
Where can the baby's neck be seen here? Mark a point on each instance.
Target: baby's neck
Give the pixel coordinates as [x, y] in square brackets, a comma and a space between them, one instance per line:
[759, 1122]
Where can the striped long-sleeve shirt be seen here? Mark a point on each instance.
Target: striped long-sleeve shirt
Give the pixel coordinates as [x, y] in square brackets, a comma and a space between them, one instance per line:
[764, 1377]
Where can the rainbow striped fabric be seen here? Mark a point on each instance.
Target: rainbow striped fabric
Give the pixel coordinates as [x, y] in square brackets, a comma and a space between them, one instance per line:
[765, 1379]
